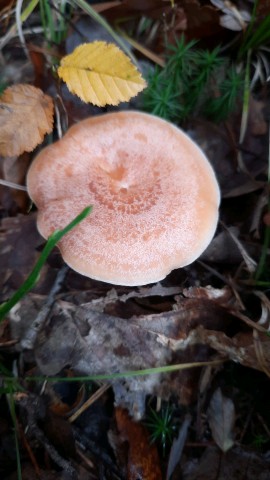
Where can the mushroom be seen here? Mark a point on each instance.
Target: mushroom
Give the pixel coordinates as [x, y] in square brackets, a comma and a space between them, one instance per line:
[154, 194]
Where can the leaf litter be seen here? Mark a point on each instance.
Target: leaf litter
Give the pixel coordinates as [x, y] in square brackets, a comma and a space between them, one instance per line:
[209, 312]
[27, 106]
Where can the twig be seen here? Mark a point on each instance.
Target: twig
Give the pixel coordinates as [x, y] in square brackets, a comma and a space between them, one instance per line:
[145, 51]
[34, 410]
[61, 123]
[30, 452]
[31, 335]
[24, 15]
[89, 402]
[260, 353]
[18, 15]
[87, 460]
[266, 428]
[248, 321]
[5, 183]
[250, 263]
[247, 422]
[84, 441]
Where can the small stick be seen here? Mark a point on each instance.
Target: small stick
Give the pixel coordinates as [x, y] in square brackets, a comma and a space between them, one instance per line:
[33, 409]
[6, 183]
[89, 402]
[31, 335]
[30, 452]
[260, 354]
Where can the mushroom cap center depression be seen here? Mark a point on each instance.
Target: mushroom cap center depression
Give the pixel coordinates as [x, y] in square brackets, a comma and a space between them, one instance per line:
[116, 188]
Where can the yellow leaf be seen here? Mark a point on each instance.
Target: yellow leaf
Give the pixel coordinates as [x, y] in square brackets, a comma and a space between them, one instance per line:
[26, 115]
[100, 73]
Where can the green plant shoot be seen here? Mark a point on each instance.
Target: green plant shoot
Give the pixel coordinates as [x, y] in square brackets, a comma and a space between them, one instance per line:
[193, 82]
[53, 239]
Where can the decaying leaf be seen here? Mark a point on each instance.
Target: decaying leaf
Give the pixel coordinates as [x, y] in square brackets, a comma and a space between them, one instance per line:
[26, 115]
[221, 417]
[233, 19]
[12, 171]
[100, 73]
[239, 464]
[263, 9]
[95, 338]
[257, 121]
[177, 447]
[19, 241]
[143, 461]
[93, 341]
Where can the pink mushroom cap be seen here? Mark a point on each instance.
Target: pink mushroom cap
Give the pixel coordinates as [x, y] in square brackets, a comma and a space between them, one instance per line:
[154, 194]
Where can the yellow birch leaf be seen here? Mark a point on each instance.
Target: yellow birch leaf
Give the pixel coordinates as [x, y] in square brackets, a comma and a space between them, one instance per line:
[26, 115]
[100, 73]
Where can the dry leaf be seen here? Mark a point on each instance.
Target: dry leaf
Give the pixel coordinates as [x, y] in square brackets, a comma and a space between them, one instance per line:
[13, 170]
[240, 463]
[233, 19]
[263, 9]
[19, 240]
[257, 119]
[143, 461]
[202, 20]
[221, 418]
[177, 447]
[26, 115]
[100, 73]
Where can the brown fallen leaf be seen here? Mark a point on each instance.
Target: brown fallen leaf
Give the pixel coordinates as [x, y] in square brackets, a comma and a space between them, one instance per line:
[202, 20]
[108, 344]
[263, 9]
[266, 219]
[19, 241]
[26, 115]
[237, 464]
[94, 342]
[105, 6]
[221, 418]
[190, 16]
[143, 460]
[242, 348]
[13, 170]
[5, 334]
[257, 120]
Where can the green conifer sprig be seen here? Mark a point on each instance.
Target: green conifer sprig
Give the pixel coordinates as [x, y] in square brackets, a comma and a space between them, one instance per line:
[194, 82]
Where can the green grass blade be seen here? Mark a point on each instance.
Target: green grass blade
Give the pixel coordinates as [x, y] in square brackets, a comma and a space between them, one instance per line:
[134, 373]
[255, 37]
[34, 275]
[50, 27]
[14, 421]
[246, 97]
[99, 19]
[29, 9]
[12, 30]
